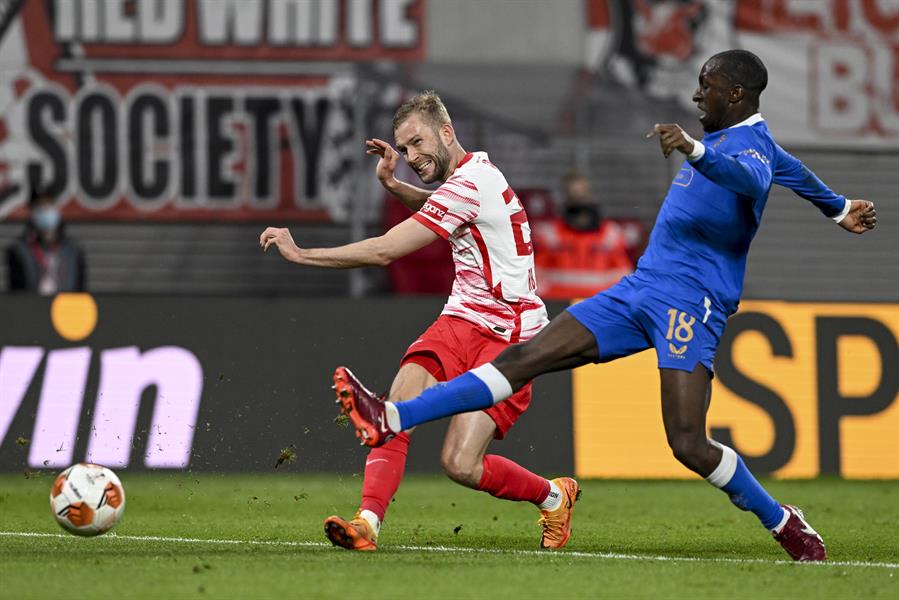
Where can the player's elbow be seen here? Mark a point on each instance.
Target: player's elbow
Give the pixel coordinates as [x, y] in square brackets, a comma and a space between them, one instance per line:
[382, 260]
[384, 253]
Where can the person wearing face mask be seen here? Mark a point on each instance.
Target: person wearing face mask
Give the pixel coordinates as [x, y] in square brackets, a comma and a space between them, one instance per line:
[580, 253]
[44, 259]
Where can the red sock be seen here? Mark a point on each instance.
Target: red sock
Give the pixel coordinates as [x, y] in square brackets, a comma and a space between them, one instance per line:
[505, 479]
[384, 469]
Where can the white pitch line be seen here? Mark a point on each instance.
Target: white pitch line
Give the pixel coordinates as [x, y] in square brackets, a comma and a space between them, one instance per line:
[462, 550]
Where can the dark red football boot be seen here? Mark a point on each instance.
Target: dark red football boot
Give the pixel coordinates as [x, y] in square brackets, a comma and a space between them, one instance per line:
[799, 539]
[365, 410]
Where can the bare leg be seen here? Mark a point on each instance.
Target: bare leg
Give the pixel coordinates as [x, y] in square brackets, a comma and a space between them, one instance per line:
[411, 380]
[464, 454]
[563, 344]
[685, 400]
[465, 460]
[464, 447]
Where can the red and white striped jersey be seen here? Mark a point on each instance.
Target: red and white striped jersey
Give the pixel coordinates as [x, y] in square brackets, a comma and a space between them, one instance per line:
[484, 221]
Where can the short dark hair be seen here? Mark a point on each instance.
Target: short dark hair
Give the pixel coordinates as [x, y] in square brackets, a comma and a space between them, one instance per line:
[743, 68]
[428, 104]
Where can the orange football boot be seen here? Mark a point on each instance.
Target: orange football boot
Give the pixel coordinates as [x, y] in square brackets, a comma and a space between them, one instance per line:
[557, 523]
[352, 535]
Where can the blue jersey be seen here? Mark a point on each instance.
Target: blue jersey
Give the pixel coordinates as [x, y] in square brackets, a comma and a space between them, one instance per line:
[713, 209]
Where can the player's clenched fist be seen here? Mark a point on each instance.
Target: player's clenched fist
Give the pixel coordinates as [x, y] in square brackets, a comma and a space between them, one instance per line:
[671, 138]
[280, 238]
[861, 217]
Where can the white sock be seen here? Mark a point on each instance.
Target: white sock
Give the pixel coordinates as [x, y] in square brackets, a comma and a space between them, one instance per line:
[499, 386]
[553, 499]
[393, 417]
[783, 521]
[372, 519]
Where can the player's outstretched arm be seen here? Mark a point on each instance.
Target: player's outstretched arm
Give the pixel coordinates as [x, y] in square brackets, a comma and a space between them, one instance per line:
[405, 238]
[855, 216]
[413, 197]
[791, 173]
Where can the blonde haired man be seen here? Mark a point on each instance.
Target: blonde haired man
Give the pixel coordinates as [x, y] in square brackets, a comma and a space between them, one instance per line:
[493, 304]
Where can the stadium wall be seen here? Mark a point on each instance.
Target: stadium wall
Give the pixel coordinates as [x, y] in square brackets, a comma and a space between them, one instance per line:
[220, 384]
[801, 390]
[235, 384]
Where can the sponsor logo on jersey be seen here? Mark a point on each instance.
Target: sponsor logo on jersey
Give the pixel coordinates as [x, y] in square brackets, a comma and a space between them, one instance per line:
[675, 351]
[684, 176]
[434, 209]
[756, 155]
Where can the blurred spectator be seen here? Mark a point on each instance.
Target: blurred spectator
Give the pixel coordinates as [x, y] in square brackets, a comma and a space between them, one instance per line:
[635, 237]
[579, 253]
[44, 259]
[539, 204]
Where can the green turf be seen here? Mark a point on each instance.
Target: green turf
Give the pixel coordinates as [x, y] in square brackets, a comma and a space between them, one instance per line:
[673, 519]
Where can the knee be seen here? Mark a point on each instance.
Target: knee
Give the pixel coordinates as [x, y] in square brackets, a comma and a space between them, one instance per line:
[460, 468]
[688, 449]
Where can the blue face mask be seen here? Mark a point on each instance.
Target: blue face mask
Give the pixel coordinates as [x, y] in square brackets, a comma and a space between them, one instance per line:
[46, 219]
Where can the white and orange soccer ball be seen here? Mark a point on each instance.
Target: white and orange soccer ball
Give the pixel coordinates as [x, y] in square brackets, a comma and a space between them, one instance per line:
[87, 499]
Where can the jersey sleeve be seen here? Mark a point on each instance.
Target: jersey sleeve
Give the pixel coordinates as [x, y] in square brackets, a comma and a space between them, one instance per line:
[451, 206]
[748, 172]
[789, 172]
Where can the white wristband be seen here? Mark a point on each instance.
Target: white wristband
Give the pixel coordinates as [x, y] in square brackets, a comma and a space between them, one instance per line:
[844, 212]
[698, 149]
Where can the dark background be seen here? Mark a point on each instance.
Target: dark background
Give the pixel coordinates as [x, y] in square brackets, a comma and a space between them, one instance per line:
[267, 367]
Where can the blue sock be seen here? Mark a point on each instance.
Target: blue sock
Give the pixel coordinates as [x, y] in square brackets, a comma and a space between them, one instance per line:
[465, 393]
[744, 490]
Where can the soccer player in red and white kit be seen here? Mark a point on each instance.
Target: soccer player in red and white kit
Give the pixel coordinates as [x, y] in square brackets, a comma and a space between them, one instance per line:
[493, 304]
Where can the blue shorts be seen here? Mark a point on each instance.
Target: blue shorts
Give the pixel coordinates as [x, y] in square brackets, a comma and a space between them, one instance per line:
[684, 327]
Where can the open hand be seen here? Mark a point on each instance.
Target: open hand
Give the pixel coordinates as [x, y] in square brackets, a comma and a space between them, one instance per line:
[671, 138]
[389, 158]
[282, 240]
[860, 218]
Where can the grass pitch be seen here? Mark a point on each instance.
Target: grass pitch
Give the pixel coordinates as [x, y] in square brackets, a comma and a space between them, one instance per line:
[254, 536]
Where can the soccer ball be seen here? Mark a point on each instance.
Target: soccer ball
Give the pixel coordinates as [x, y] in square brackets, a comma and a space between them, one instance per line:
[87, 499]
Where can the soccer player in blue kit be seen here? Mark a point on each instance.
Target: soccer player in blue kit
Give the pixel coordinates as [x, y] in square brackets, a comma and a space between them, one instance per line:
[677, 301]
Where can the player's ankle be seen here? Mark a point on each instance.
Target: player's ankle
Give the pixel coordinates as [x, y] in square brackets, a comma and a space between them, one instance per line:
[783, 521]
[372, 520]
[553, 499]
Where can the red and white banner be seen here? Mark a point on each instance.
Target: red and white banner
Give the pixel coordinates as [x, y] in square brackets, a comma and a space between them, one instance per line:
[191, 109]
[833, 65]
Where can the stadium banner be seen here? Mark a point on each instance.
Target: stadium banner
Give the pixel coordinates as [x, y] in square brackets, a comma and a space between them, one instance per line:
[191, 109]
[800, 390]
[221, 384]
[833, 65]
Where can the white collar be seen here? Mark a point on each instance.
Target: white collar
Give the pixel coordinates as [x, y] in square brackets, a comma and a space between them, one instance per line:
[756, 118]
